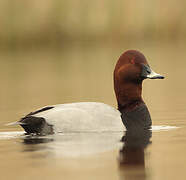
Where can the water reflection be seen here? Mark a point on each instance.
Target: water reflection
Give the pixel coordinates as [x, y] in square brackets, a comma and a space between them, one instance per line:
[36, 140]
[132, 156]
[73, 144]
[36, 143]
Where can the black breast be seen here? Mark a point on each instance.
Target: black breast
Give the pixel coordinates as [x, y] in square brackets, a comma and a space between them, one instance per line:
[139, 118]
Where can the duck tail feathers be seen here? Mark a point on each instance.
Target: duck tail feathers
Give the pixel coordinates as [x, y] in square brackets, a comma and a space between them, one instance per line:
[15, 123]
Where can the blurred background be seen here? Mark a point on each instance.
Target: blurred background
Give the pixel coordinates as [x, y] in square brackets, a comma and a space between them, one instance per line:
[26, 24]
[59, 51]
[63, 51]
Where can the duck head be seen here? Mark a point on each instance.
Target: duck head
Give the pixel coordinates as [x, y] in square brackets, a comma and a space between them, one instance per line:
[130, 71]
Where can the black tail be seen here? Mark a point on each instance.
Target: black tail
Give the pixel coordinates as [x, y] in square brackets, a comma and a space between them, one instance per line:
[36, 125]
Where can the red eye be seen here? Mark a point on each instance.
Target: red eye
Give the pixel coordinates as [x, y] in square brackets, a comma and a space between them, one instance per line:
[132, 61]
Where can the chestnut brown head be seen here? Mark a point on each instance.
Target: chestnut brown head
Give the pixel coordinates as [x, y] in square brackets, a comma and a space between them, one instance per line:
[131, 69]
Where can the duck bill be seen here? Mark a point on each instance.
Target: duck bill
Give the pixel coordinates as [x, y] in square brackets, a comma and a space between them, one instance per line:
[154, 75]
[147, 72]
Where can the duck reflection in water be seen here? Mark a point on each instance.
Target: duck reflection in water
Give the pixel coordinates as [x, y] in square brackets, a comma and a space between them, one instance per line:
[132, 155]
[36, 140]
[33, 143]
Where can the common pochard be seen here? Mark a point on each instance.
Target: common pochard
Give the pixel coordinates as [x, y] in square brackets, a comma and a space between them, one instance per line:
[130, 71]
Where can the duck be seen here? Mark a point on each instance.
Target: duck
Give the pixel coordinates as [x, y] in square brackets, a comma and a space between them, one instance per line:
[130, 71]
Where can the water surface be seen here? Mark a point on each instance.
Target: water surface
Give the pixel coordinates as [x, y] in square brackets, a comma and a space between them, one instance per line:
[35, 78]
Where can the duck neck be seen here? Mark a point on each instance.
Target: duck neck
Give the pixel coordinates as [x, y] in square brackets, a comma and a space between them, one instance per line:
[129, 97]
